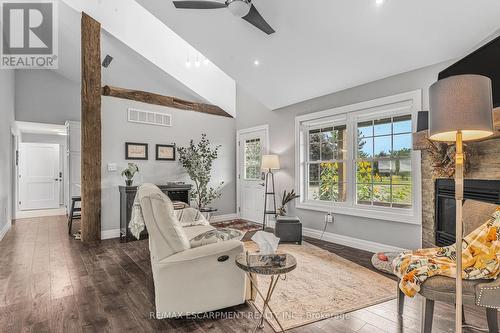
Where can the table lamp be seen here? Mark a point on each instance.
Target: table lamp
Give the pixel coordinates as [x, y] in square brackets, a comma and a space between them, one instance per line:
[268, 164]
[461, 109]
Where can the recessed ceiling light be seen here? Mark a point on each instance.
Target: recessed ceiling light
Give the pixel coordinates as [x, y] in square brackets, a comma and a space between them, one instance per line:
[256, 62]
[379, 2]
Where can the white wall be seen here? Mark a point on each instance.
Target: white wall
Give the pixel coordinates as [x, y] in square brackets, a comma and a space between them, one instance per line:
[187, 125]
[282, 132]
[7, 83]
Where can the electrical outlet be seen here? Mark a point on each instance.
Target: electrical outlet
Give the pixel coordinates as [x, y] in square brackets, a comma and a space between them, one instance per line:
[329, 218]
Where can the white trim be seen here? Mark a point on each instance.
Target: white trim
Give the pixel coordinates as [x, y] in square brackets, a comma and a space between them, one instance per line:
[6, 228]
[224, 217]
[264, 127]
[108, 234]
[351, 241]
[372, 212]
[391, 105]
[26, 214]
[40, 128]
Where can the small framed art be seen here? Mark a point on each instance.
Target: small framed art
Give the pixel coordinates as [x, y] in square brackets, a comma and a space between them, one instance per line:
[136, 151]
[165, 152]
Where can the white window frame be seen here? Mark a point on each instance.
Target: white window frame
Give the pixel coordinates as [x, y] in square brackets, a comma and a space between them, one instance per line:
[396, 105]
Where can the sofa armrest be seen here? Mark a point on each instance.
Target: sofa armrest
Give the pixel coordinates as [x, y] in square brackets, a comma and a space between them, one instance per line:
[196, 253]
[488, 294]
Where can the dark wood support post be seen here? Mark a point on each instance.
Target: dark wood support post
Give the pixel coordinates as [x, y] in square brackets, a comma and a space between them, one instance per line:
[91, 129]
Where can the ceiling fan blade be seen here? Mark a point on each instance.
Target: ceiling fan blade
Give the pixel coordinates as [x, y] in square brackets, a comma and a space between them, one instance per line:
[253, 17]
[199, 4]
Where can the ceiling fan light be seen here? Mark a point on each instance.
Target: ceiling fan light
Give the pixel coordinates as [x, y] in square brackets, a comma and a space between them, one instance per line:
[238, 8]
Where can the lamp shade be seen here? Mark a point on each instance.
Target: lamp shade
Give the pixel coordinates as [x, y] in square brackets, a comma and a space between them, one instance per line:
[270, 162]
[461, 103]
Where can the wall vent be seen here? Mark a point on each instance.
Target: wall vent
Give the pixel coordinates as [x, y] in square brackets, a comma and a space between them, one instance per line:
[149, 117]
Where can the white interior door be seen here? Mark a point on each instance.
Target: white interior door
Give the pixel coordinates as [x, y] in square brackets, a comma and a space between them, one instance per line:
[252, 145]
[39, 181]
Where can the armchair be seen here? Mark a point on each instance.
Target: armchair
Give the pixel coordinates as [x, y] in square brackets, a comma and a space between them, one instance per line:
[480, 293]
[188, 280]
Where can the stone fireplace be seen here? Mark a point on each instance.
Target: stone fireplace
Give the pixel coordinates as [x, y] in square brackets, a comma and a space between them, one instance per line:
[485, 165]
[475, 189]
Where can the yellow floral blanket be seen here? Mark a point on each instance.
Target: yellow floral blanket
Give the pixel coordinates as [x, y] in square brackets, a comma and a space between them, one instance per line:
[481, 258]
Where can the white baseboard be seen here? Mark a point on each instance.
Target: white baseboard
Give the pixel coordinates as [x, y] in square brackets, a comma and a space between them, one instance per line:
[4, 230]
[224, 217]
[108, 234]
[26, 214]
[351, 242]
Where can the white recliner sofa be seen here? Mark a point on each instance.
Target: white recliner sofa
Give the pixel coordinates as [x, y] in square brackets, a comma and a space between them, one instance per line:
[188, 280]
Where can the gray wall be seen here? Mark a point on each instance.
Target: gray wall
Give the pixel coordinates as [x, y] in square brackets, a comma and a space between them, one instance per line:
[7, 83]
[116, 130]
[282, 132]
[44, 96]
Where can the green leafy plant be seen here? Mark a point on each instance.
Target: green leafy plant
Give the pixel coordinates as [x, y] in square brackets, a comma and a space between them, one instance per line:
[130, 171]
[197, 160]
[285, 199]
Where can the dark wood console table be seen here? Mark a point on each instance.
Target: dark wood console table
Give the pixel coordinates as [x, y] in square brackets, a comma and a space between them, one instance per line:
[176, 192]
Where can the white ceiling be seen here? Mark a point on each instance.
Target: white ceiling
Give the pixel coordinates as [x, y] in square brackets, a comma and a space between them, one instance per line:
[323, 46]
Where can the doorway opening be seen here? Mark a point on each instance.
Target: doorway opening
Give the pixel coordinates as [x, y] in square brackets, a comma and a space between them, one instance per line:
[40, 170]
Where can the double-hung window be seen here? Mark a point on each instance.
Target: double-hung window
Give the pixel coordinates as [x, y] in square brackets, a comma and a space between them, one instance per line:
[326, 163]
[383, 162]
[358, 159]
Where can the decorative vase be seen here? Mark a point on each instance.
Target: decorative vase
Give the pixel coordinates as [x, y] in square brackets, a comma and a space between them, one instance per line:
[129, 182]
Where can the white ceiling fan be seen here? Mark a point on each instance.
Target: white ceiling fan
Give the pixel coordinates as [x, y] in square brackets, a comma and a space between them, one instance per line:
[242, 8]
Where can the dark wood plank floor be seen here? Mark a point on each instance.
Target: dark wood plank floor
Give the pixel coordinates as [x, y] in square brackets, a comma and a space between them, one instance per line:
[49, 282]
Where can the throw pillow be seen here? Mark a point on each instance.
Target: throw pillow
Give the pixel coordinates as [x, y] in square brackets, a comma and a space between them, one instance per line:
[179, 205]
[190, 216]
[216, 236]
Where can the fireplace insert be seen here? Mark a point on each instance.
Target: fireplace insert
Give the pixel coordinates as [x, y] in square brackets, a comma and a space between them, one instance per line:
[476, 189]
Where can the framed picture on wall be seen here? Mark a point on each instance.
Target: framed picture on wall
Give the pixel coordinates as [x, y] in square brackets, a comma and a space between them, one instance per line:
[136, 151]
[165, 152]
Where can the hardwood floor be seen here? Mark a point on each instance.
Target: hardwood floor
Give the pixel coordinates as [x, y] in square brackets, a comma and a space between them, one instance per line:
[49, 282]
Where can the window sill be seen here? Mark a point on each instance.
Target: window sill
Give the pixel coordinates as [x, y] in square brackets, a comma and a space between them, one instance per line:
[393, 214]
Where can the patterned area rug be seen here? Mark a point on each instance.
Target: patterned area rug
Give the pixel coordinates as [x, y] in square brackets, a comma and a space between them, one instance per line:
[322, 286]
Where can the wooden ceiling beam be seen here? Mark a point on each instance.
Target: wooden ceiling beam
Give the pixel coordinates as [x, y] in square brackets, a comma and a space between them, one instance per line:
[168, 101]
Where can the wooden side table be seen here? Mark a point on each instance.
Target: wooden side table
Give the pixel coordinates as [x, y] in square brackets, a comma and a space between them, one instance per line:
[256, 263]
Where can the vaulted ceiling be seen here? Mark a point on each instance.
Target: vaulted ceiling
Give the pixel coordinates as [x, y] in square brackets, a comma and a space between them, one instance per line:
[323, 46]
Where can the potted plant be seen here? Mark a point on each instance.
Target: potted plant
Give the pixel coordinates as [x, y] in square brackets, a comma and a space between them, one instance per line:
[285, 199]
[129, 173]
[197, 160]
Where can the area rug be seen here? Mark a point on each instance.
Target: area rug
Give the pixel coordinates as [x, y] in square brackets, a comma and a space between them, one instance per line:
[322, 286]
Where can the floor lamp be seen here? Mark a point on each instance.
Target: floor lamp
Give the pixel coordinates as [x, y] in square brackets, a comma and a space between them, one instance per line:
[269, 163]
[460, 110]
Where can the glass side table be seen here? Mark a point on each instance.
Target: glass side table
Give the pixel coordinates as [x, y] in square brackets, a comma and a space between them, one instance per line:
[207, 211]
[261, 265]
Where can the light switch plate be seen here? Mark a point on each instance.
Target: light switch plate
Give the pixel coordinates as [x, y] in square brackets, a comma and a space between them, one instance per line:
[112, 167]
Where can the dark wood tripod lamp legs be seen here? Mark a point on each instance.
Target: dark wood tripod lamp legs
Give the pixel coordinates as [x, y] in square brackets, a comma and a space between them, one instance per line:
[269, 192]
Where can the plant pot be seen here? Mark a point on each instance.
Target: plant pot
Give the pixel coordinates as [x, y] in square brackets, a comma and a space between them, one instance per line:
[129, 182]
